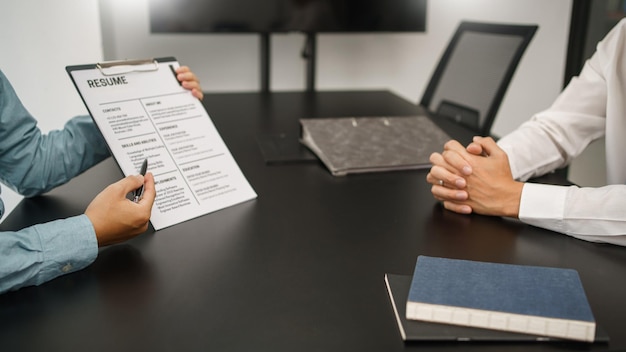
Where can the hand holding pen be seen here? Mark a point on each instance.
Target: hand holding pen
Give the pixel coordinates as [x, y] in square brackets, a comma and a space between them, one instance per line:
[114, 217]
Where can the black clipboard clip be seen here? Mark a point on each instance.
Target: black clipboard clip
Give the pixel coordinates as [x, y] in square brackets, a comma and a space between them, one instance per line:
[112, 68]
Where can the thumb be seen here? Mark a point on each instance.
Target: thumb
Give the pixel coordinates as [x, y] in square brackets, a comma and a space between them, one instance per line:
[474, 147]
[149, 191]
[488, 145]
[131, 183]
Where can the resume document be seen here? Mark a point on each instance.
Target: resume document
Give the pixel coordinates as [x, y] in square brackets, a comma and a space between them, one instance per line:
[143, 113]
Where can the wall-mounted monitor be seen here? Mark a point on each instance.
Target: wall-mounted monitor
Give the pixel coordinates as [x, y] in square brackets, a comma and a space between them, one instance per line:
[269, 16]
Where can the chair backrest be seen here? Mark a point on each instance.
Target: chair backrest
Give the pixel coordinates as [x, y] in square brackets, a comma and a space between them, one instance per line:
[470, 81]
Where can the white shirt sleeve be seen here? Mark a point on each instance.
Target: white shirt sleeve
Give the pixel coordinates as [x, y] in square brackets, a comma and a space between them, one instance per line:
[592, 214]
[590, 107]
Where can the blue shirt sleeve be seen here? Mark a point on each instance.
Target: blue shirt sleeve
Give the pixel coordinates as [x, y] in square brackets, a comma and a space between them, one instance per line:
[33, 163]
[42, 252]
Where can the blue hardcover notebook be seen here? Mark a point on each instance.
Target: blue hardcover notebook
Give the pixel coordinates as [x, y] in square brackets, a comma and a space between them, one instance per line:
[526, 299]
[422, 331]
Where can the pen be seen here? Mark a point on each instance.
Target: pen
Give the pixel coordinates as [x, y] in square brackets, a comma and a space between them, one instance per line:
[139, 191]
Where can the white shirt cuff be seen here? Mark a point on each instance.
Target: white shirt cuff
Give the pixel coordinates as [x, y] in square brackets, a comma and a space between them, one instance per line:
[543, 205]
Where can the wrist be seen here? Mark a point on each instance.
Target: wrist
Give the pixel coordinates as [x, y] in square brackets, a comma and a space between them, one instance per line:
[512, 206]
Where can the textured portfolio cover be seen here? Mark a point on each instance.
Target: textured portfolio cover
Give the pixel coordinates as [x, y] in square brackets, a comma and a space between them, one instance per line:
[529, 299]
[368, 144]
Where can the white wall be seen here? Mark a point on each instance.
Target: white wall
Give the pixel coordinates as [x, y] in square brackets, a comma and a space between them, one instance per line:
[38, 39]
[401, 63]
[41, 37]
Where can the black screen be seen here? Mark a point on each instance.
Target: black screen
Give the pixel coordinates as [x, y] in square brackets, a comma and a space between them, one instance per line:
[310, 16]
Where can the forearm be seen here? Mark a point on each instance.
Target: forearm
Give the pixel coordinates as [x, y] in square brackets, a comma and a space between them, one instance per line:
[33, 163]
[43, 252]
[42, 162]
[554, 137]
[548, 142]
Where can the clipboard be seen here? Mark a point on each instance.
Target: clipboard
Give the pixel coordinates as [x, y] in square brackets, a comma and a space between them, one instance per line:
[143, 112]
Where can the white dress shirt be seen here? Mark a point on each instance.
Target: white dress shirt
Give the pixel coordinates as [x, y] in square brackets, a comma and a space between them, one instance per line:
[591, 106]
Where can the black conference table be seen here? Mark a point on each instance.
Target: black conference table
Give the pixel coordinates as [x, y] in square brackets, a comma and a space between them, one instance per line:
[301, 268]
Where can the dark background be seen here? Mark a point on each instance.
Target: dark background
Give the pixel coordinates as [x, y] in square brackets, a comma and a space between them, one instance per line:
[253, 16]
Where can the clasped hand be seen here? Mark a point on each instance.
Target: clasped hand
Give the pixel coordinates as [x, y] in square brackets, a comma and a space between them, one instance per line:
[475, 179]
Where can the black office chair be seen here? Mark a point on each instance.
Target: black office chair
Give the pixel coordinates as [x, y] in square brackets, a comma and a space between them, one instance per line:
[474, 72]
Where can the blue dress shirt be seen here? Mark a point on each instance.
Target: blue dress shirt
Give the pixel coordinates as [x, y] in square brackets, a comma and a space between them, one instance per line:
[33, 163]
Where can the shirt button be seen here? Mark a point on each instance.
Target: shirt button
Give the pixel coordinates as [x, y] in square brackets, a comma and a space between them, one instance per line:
[66, 268]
